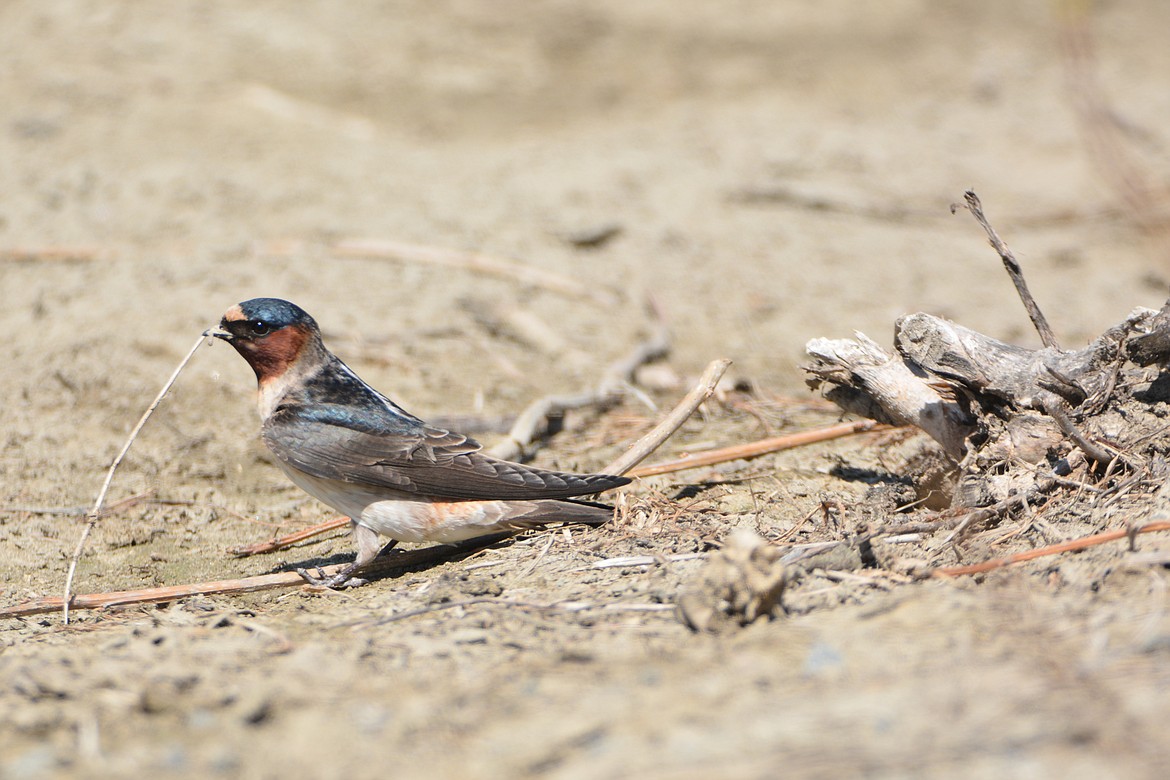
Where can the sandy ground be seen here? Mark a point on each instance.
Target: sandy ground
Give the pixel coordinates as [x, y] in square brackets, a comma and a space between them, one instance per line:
[778, 171]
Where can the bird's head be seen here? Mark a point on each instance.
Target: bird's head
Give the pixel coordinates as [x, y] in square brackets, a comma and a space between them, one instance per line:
[271, 334]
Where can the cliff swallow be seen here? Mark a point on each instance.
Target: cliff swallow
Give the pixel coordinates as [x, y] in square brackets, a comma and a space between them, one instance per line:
[393, 475]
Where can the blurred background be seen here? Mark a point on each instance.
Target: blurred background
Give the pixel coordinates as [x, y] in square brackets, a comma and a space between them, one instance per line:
[771, 171]
[763, 171]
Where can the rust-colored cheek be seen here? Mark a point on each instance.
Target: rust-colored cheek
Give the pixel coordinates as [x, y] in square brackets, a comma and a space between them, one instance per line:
[271, 356]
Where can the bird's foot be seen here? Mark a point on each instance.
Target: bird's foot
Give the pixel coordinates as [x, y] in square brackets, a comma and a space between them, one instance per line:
[342, 579]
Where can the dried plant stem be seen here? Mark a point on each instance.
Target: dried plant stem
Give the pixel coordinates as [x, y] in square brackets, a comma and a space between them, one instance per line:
[528, 424]
[1040, 552]
[403, 560]
[96, 511]
[79, 511]
[762, 447]
[614, 382]
[643, 448]
[1092, 450]
[1047, 337]
[279, 543]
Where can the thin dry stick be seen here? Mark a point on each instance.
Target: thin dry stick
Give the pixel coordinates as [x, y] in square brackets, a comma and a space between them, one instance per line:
[76, 511]
[406, 559]
[381, 249]
[95, 513]
[613, 383]
[656, 346]
[279, 543]
[1040, 552]
[1092, 450]
[1047, 337]
[644, 560]
[761, 447]
[528, 424]
[646, 445]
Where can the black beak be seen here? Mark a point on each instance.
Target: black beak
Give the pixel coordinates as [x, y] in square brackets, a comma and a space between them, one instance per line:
[219, 332]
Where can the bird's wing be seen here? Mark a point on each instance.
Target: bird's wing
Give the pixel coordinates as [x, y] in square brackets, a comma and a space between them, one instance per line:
[413, 457]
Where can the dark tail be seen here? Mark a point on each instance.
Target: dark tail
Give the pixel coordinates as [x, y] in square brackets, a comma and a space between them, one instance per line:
[562, 511]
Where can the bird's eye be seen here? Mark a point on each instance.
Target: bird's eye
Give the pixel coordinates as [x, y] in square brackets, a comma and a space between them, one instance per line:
[259, 328]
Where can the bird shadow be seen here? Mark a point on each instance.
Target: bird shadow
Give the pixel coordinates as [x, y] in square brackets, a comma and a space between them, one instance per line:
[396, 563]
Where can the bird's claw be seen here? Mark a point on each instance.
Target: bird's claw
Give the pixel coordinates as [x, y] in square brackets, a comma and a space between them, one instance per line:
[342, 579]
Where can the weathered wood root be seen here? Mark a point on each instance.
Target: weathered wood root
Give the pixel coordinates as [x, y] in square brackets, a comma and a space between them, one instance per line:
[989, 404]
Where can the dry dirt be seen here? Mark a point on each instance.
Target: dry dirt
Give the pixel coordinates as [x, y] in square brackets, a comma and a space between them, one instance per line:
[778, 171]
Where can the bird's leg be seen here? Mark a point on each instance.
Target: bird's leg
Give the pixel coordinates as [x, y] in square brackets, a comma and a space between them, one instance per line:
[369, 547]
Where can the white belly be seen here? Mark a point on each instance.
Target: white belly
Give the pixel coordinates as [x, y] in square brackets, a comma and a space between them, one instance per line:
[407, 517]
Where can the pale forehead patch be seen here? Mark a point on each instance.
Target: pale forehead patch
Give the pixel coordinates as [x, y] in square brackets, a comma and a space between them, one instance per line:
[234, 313]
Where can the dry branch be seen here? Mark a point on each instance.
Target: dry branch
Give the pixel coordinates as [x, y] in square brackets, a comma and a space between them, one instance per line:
[866, 380]
[1055, 549]
[614, 383]
[1047, 337]
[407, 559]
[281, 542]
[78, 511]
[1024, 377]
[95, 513]
[646, 445]
[991, 404]
[757, 448]
[532, 420]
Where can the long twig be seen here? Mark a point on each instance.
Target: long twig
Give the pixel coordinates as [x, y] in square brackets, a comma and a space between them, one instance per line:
[79, 511]
[1047, 337]
[758, 448]
[614, 382]
[279, 543]
[646, 445]
[528, 424]
[1055, 549]
[406, 559]
[1092, 450]
[96, 511]
[384, 249]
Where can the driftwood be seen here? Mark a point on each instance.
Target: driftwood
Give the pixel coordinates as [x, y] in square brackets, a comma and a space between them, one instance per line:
[865, 379]
[1013, 421]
